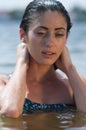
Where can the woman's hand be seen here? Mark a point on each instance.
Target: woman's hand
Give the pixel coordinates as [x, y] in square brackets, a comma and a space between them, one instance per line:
[64, 62]
[22, 53]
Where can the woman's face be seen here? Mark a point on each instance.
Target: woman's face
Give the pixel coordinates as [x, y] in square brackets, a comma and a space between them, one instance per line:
[46, 37]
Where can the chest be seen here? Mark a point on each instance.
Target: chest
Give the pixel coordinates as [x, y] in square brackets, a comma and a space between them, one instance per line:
[48, 93]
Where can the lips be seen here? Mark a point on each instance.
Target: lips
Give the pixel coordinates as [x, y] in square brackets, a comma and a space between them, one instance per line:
[48, 53]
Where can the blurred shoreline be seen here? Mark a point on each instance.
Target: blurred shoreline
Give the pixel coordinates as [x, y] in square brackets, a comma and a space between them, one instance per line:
[76, 13]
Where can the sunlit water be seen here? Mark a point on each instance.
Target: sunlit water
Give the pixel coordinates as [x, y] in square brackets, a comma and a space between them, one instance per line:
[70, 120]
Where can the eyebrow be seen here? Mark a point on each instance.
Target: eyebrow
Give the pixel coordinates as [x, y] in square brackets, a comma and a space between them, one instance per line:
[59, 28]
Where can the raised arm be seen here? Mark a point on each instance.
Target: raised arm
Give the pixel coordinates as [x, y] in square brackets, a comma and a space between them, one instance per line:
[77, 83]
[14, 93]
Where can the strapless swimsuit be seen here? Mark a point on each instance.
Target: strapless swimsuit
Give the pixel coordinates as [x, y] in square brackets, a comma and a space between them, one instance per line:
[31, 107]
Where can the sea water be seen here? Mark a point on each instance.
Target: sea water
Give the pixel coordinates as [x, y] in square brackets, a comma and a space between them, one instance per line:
[69, 120]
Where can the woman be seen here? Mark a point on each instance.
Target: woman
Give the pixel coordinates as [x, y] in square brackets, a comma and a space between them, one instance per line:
[34, 84]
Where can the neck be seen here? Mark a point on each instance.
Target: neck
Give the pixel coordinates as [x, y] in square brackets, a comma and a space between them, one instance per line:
[39, 72]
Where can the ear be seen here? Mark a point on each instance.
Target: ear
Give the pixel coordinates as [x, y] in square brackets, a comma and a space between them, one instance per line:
[22, 35]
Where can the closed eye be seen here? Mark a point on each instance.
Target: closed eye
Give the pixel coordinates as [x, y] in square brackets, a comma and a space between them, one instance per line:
[40, 33]
[59, 34]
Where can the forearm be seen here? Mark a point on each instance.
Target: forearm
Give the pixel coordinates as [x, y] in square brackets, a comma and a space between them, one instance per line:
[14, 94]
[79, 88]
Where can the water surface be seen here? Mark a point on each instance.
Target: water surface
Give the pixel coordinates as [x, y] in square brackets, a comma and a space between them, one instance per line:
[70, 120]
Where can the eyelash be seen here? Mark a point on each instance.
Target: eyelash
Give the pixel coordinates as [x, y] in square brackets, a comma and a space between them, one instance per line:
[56, 35]
[40, 33]
[59, 35]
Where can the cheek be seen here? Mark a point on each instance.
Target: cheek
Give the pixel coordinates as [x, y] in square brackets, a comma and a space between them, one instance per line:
[33, 48]
[60, 47]
[33, 45]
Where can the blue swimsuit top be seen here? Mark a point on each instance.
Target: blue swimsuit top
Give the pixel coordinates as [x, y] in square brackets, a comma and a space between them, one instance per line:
[31, 107]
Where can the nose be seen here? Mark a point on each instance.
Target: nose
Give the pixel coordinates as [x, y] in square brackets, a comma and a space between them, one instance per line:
[49, 40]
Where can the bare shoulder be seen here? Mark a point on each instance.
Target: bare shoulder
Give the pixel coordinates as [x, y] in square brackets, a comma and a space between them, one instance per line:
[65, 80]
[66, 88]
[3, 79]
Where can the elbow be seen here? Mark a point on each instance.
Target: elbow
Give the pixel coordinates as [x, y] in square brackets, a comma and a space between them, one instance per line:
[82, 110]
[13, 113]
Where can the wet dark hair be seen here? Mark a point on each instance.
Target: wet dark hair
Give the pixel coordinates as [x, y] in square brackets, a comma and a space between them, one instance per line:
[41, 6]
